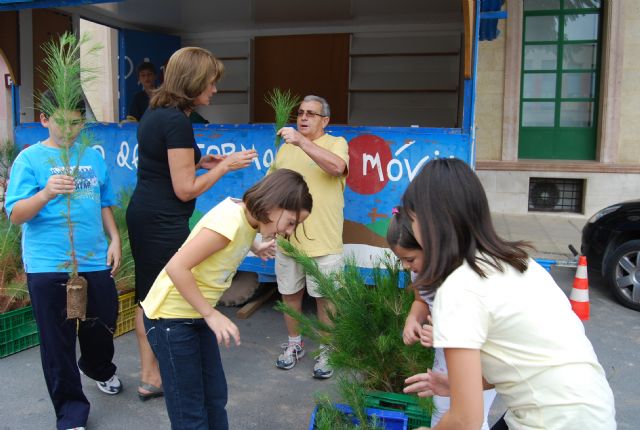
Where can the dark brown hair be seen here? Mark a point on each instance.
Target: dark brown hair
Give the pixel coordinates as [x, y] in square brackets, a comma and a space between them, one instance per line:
[283, 189]
[187, 75]
[452, 213]
[399, 232]
[146, 65]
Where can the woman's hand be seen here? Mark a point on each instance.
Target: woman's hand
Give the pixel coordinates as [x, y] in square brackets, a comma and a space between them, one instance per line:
[264, 250]
[223, 328]
[209, 161]
[428, 384]
[239, 160]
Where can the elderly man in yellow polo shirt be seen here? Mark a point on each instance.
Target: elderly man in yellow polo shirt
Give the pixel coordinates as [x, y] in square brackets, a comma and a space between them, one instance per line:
[323, 161]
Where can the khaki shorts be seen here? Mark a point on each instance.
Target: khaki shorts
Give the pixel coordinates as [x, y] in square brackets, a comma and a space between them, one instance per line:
[291, 277]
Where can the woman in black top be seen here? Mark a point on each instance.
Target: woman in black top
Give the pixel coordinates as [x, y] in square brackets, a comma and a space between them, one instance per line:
[164, 197]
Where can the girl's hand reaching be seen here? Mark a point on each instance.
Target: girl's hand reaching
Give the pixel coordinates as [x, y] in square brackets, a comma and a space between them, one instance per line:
[265, 250]
[428, 384]
[412, 331]
[426, 334]
[223, 328]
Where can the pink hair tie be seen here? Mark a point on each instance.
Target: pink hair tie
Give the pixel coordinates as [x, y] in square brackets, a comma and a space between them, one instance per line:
[395, 211]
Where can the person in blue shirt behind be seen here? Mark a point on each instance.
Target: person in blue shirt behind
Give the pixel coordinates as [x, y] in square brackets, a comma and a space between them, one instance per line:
[36, 199]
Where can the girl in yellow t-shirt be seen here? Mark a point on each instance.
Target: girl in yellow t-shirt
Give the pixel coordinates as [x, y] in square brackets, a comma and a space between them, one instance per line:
[182, 324]
[500, 317]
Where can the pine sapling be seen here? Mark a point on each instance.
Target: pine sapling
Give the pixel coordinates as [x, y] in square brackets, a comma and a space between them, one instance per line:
[282, 103]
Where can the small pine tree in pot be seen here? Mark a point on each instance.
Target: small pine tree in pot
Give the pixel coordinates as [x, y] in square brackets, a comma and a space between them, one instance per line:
[365, 335]
[64, 78]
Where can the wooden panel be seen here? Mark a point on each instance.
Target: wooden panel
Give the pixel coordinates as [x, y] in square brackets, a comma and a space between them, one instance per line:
[304, 64]
[9, 43]
[468, 13]
[47, 25]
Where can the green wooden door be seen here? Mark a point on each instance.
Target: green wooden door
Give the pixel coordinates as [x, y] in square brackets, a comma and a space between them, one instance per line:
[560, 72]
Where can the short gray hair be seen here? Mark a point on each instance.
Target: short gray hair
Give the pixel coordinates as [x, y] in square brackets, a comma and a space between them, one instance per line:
[326, 110]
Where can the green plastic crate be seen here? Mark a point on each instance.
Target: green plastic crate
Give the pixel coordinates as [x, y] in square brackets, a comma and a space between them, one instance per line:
[18, 331]
[405, 403]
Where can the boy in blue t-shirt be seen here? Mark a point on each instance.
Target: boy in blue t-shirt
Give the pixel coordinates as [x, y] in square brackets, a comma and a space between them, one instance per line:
[36, 199]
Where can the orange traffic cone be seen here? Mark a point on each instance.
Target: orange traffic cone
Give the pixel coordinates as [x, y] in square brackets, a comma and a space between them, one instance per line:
[579, 297]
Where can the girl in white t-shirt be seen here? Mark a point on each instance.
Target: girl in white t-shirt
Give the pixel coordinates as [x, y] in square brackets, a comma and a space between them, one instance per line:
[499, 316]
[417, 327]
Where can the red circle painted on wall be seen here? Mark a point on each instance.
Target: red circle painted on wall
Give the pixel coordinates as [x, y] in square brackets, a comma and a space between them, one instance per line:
[368, 159]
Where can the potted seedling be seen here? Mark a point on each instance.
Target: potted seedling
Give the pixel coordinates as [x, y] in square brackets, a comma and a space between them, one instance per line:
[365, 335]
[64, 77]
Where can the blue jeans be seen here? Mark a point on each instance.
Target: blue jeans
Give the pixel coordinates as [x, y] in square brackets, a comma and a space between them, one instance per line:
[195, 388]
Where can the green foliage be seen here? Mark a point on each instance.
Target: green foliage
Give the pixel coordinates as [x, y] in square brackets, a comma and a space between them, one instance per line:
[282, 103]
[64, 75]
[10, 251]
[12, 279]
[8, 153]
[125, 278]
[366, 336]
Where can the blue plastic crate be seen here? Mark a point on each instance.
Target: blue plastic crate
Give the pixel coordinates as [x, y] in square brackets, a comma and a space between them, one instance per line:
[390, 420]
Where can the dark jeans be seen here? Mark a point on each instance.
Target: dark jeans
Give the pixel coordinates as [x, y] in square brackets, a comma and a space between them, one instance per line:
[195, 388]
[58, 340]
[500, 424]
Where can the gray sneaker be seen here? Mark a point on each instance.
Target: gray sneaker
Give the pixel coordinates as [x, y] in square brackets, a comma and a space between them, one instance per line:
[322, 369]
[290, 355]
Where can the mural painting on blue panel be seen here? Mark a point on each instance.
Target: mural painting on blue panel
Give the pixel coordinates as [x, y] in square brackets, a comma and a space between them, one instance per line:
[382, 162]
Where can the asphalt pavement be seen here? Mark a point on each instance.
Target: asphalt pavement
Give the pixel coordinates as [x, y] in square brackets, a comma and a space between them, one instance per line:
[264, 397]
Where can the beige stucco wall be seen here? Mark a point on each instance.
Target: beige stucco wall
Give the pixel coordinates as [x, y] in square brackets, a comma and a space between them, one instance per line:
[629, 146]
[489, 97]
[102, 91]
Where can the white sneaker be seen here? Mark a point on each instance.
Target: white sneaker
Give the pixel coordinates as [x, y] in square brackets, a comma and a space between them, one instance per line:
[111, 386]
[78, 428]
[292, 352]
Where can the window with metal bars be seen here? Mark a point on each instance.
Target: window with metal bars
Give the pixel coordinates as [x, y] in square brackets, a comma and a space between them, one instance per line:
[556, 195]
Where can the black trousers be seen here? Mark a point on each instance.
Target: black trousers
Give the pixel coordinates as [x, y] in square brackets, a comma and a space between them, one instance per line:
[58, 340]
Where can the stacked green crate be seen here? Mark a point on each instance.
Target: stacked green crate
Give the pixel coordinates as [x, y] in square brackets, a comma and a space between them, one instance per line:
[419, 414]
